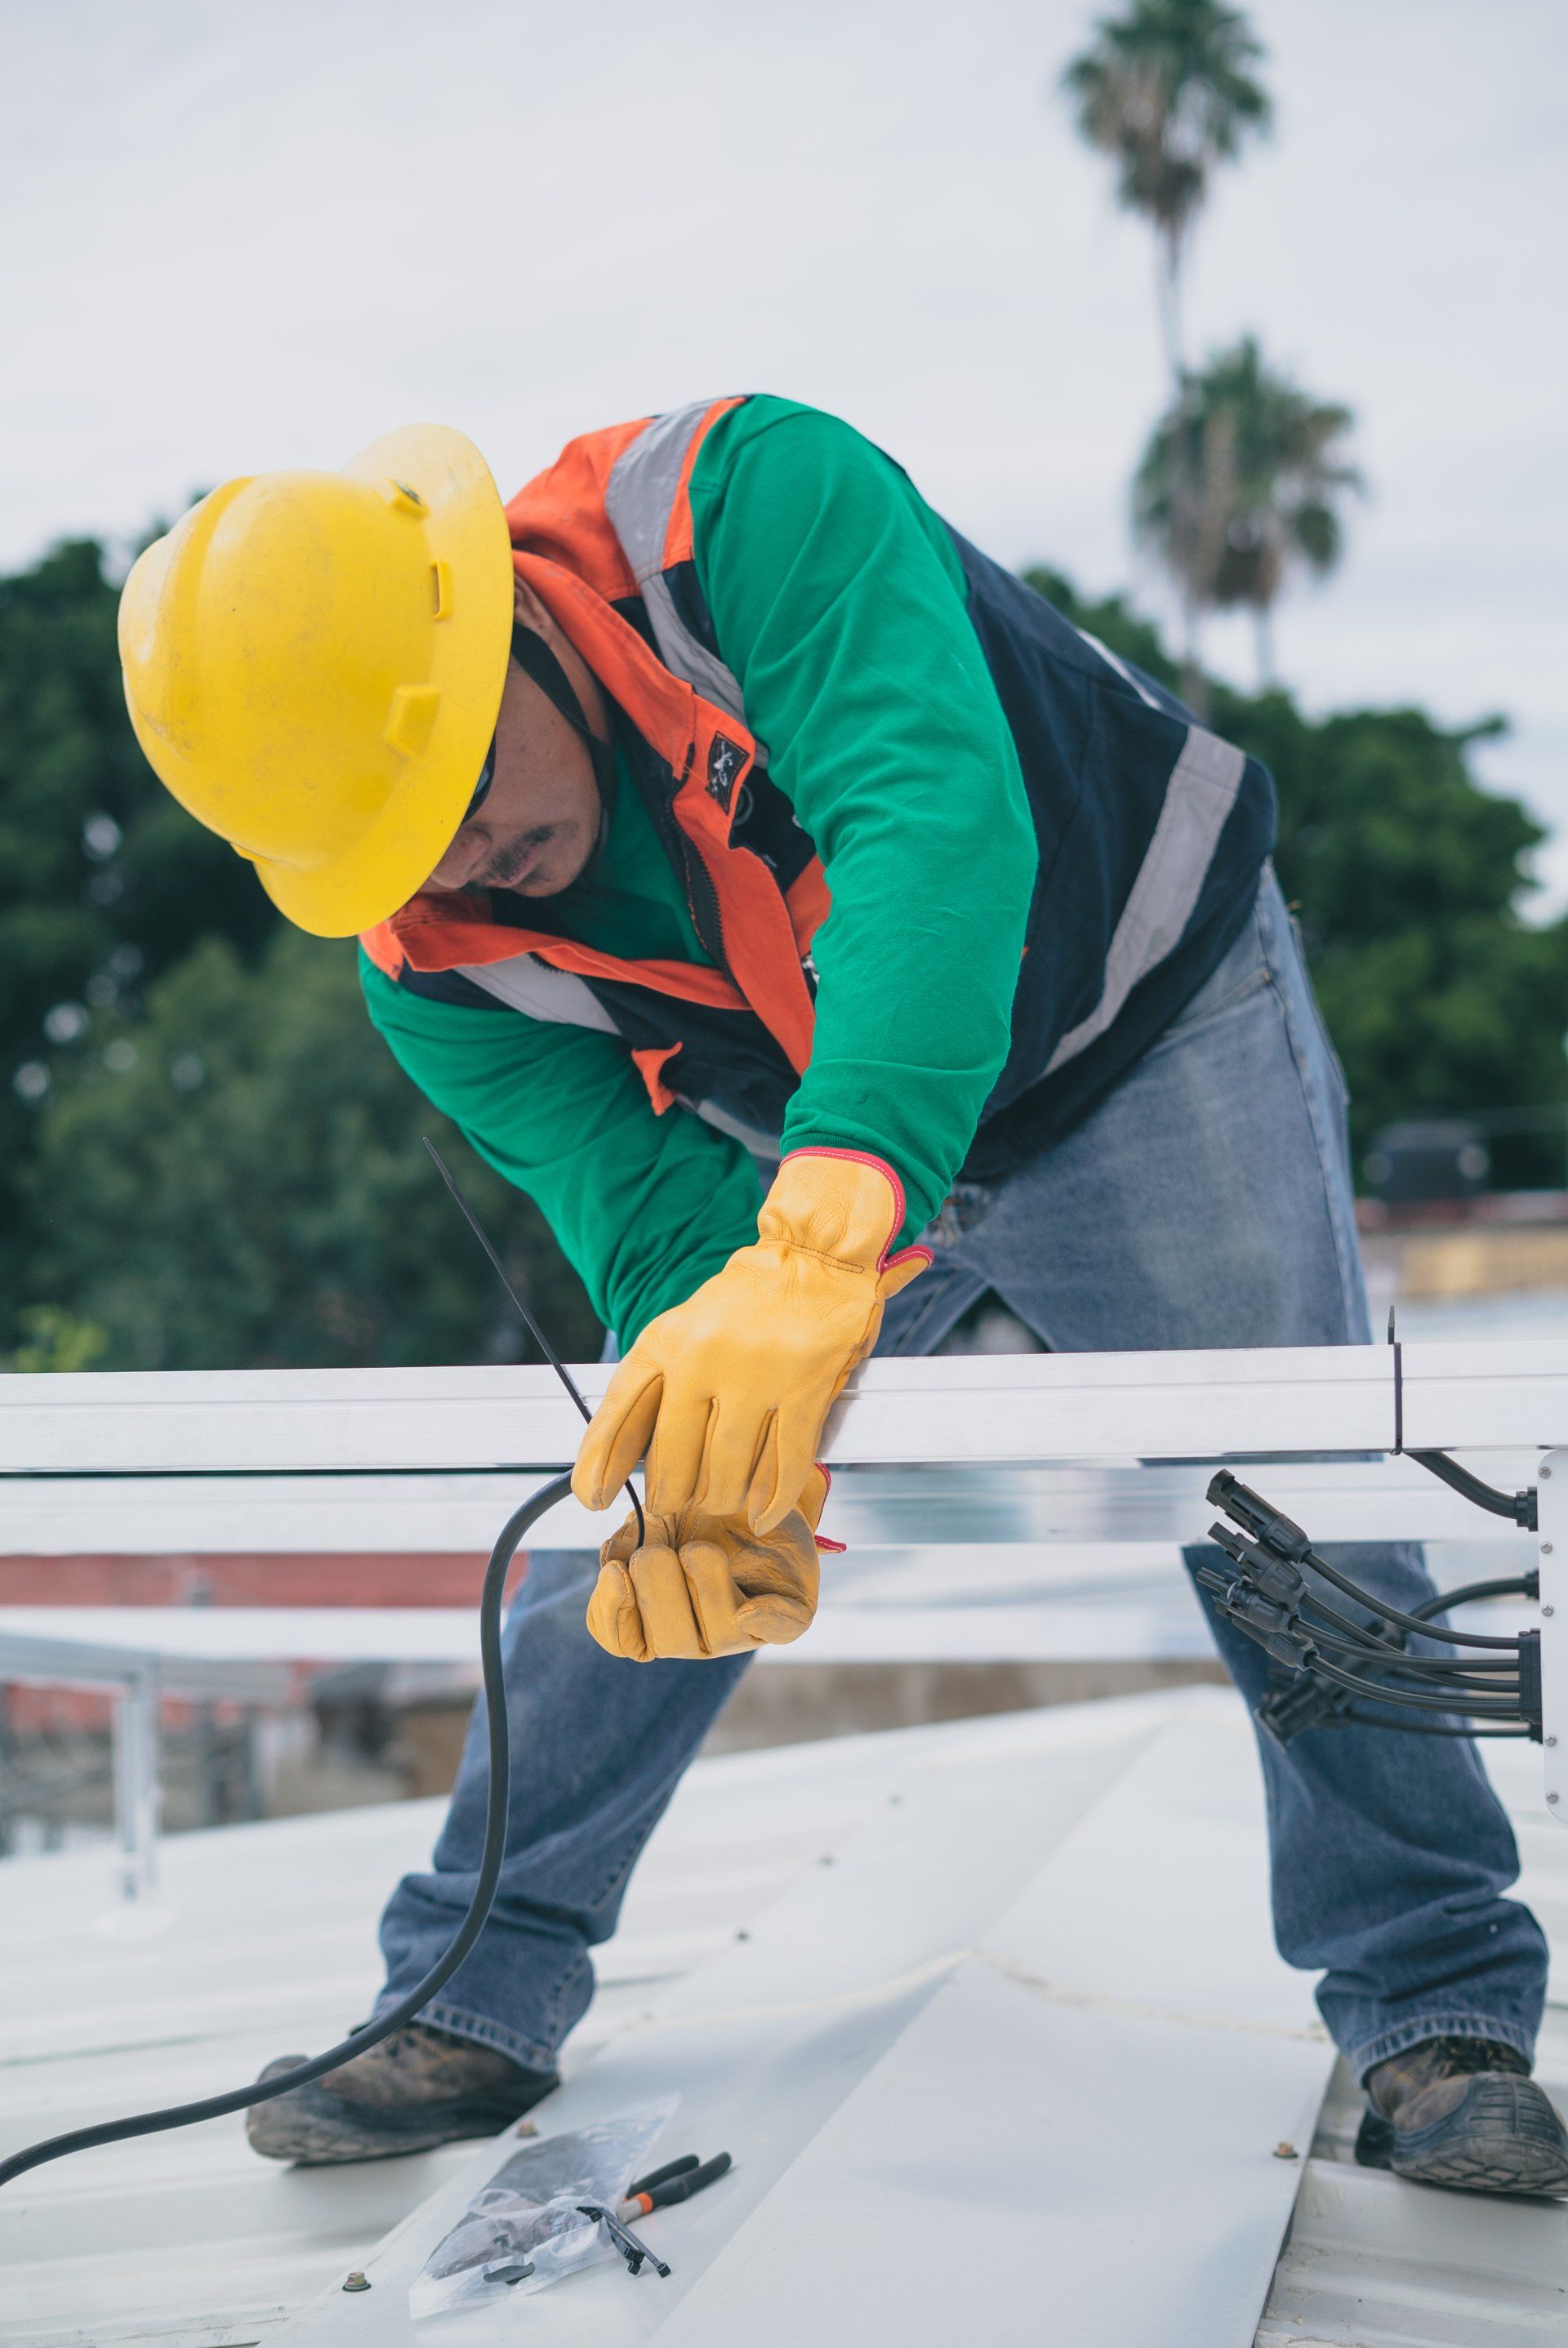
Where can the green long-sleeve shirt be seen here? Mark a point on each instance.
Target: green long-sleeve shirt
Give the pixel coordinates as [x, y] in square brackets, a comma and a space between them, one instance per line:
[838, 602]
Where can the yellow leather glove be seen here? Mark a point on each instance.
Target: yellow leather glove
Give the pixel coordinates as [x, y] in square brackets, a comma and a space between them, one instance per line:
[727, 1393]
[702, 1585]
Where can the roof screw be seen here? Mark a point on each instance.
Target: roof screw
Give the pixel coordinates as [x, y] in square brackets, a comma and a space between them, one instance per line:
[1552, 1740]
[1545, 1548]
[357, 2281]
[1549, 1610]
[1284, 2151]
[1552, 1797]
[1544, 1473]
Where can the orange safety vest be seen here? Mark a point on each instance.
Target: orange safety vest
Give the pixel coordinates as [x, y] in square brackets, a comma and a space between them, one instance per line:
[1151, 830]
[606, 531]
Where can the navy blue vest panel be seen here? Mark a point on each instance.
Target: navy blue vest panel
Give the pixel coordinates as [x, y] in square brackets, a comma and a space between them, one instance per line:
[1152, 837]
[1152, 834]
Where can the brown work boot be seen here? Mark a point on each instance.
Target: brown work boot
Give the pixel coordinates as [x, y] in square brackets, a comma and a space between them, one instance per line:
[418, 2088]
[1463, 2112]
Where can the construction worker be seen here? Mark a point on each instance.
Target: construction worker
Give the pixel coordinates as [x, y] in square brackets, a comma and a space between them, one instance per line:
[824, 933]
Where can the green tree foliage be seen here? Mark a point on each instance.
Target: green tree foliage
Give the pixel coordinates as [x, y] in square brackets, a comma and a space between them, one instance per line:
[235, 1176]
[1168, 89]
[1408, 879]
[1242, 482]
[103, 881]
[55, 1339]
[207, 1157]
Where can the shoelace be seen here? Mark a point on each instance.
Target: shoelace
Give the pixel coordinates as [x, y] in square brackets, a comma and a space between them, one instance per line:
[1469, 2054]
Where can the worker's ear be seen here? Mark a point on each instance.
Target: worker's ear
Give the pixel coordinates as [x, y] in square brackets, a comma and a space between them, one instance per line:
[532, 613]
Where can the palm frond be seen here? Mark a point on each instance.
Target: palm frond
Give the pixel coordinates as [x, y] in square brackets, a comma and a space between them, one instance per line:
[1167, 89]
[1242, 480]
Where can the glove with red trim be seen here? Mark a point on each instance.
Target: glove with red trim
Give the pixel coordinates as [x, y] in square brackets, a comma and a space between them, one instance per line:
[727, 1393]
[702, 1585]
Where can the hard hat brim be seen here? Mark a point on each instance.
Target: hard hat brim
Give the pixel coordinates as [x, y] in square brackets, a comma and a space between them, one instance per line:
[466, 529]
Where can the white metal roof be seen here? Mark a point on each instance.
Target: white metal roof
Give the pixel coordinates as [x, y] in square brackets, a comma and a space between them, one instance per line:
[987, 2015]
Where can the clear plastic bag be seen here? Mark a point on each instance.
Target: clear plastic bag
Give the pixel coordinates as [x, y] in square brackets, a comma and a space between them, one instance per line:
[524, 2229]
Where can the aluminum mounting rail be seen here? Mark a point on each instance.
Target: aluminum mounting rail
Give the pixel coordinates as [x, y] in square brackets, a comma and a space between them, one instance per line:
[1197, 1405]
[976, 1421]
[896, 1509]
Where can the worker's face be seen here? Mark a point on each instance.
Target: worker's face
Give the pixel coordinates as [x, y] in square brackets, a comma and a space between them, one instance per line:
[538, 823]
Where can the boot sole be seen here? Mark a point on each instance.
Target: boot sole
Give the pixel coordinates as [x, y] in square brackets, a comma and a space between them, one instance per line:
[316, 2129]
[1504, 2137]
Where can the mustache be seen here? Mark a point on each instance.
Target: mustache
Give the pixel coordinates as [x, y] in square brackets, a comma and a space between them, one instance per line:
[510, 858]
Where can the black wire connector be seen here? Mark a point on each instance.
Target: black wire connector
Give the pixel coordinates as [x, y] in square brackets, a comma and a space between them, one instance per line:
[632, 2247]
[1342, 1662]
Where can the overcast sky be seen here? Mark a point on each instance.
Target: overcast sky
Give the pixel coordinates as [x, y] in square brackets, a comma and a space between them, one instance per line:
[244, 234]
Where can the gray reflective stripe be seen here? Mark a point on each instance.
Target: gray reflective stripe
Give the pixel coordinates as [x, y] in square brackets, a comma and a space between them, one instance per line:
[1120, 667]
[526, 983]
[565, 1001]
[640, 494]
[639, 498]
[1198, 799]
[760, 1144]
[689, 659]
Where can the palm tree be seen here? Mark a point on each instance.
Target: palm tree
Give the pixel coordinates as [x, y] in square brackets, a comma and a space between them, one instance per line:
[1166, 87]
[1242, 482]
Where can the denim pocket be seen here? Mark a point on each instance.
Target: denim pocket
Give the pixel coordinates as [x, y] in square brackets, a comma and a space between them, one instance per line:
[1305, 975]
[1243, 973]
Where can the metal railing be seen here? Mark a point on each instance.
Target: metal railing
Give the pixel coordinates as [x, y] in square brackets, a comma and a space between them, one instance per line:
[139, 1681]
[960, 1450]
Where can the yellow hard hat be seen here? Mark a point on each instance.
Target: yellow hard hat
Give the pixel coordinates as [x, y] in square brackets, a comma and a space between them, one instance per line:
[313, 664]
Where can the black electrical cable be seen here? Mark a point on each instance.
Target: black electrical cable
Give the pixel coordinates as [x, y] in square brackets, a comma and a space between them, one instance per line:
[1334, 1634]
[1316, 1664]
[535, 1332]
[1462, 1706]
[1332, 1629]
[1419, 1727]
[1519, 1507]
[1484, 1678]
[1276, 1537]
[1524, 1585]
[1391, 1614]
[1273, 1558]
[1329, 1628]
[509, 1539]
[1431, 1681]
[1322, 1613]
[1427, 1670]
[240, 2099]
[1325, 1622]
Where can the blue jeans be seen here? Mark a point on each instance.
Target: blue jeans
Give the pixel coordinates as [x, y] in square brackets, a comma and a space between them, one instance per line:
[1207, 1202]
